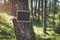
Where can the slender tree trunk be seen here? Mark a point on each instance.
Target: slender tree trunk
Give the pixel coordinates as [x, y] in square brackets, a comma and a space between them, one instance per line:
[44, 16]
[32, 7]
[39, 11]
[49, 7]
[54, 11]
[42, 9]
[23, 31]
[35, 9]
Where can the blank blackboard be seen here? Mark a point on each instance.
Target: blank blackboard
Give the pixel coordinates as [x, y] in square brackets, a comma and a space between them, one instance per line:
[23, 16]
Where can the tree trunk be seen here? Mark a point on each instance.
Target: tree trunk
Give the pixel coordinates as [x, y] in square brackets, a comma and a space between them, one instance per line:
[49, 7]
[35, 9]
[44, 15]
[42, 9]
[38, 11]
[54, 11]
[32, 8]
[23, 31]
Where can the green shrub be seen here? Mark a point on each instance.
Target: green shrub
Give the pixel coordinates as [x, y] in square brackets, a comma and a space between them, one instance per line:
[6, 27]
[57, 30]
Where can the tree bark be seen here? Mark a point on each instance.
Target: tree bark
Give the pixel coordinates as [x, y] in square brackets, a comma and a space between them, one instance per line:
[32, 8]
[44, 15]
[54, 11]
[38, 11]
[35, 9]
[23, 31]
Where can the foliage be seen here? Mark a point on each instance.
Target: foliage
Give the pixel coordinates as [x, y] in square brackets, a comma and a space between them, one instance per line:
[57, 22]
[40, 34]
[52, 31]
[6, 27]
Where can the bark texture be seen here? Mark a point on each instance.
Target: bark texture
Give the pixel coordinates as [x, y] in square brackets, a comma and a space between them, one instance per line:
[23, 31]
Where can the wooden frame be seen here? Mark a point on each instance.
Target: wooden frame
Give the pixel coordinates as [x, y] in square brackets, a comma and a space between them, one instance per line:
[21, 12]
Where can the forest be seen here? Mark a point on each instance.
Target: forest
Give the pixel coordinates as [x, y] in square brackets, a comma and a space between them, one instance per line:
[45, 24]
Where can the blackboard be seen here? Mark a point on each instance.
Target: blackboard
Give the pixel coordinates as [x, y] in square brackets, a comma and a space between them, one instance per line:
[23, 16]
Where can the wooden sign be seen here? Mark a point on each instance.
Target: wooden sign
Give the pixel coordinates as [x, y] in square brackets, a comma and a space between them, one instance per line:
[23, 16]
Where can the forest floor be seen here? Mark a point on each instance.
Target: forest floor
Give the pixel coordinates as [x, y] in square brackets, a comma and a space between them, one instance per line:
[41, 36]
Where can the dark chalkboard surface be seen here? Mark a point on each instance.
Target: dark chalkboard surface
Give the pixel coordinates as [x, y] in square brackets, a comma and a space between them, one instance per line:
[23, 16]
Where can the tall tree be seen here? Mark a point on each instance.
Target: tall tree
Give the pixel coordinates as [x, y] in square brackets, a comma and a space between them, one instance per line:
[32, 7]
[35, 8]
[23, 31]
[44, 15]
[42, 8]
[49, 7]
[38, 10]
[54, 10]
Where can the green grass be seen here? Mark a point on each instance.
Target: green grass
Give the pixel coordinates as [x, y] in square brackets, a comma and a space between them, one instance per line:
[6, 27]
[41, 36]
[57, 37]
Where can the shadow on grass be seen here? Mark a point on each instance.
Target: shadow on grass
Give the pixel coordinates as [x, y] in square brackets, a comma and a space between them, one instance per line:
[39, 38]
[37, 23]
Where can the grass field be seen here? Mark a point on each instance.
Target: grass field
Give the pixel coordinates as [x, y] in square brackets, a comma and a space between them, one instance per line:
[41, 36]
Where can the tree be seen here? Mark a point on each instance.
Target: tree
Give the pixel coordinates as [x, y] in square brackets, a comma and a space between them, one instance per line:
[32, 7]
[38, 10]
[54, 10]
[44, 15]
[49, 7]
[23, 31]
[35, 8]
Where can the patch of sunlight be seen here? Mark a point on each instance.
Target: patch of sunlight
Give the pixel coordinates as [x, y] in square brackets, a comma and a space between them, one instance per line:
[57, 21]
[49, 29]
[51, 32]
[51, 14]
[40, 17]
[38, 30]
